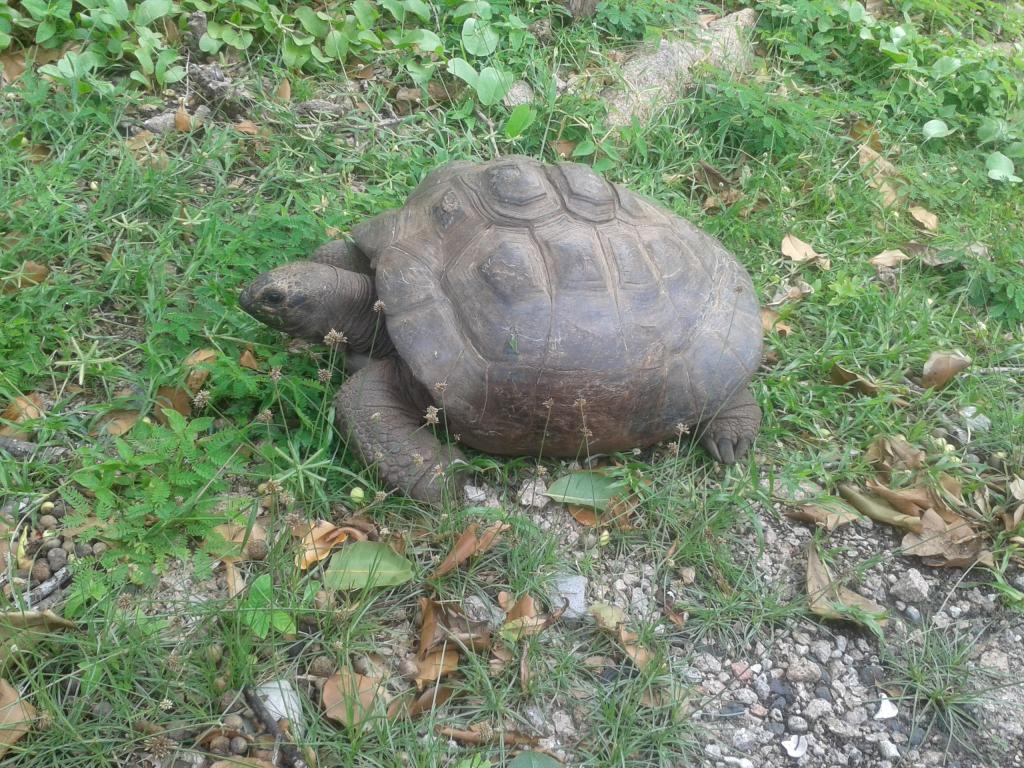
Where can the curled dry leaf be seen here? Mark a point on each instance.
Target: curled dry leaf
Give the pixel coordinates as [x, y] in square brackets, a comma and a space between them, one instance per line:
[864, 132]
[248, 359]
[350, 698]
[797, 250]
[284, 90]
[182, 120]
[832, 601]
[770, 322]
[889, 259]
[894, 452]
[788, 292]
[467, 546]
[431, 698]
[608, 617]
[947, 541]
[22, 630]
[318, 541]
[562, 148]
[197, 365]
[826, 514]
[482, 733]
[878, 510]
[21, 409]
[248, 127]
[907, 501]
[863, 384]
[173, 398]
[242, 538]
[435, 665]
[882, 175]
[16, 716]
[30, 273]
[941, 367]
[117, 422]
[722, 200]
[928, 220]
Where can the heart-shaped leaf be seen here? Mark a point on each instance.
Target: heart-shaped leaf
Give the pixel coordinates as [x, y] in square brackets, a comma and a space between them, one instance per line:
[367, 564]
[936, 129]
[588, 489]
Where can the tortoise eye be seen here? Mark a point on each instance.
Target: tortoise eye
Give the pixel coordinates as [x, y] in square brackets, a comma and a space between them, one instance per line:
[273, 297]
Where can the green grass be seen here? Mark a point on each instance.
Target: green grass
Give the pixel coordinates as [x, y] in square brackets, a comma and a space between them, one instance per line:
[146, 262]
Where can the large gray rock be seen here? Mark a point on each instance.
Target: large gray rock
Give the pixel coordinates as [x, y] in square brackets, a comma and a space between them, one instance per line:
[661, 76]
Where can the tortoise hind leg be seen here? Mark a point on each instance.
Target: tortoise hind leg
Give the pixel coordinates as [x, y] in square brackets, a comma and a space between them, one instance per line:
[375, 410]
[729, 434]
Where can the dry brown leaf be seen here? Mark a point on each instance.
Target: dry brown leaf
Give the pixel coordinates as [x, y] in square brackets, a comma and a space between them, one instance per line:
[198, 375]
[583, 515]
[248, 127]
[430, 699]
[882, 175]
[16, 716]
[941, 367]
[21, 409]
[284, 90]
[29, 274]
[793, 291]
[878, 510]
[21, 630]
[949, 542]
[460, 553]
[482, 733]
[608, 617]
[828, 515]
[894, 452]
[864, 132]
[524, 608]
[248, 360]
[117, 422]
[174, 398]
[843, 376]
[563, 148]
[907, 501]
[639, 655]
[770, 322]
[797, 250]
[832, 601]
[182, 120]
[889, 259]
[318, 542]
[430, 625]
[240, 535]
[436, 665]
[349, 698]
[722, 200]
[928, 220]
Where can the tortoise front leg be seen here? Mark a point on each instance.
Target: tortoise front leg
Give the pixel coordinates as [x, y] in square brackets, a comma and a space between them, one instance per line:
[375, 410]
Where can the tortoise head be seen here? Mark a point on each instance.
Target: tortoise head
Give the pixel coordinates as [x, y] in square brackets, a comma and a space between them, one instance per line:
[307, 299]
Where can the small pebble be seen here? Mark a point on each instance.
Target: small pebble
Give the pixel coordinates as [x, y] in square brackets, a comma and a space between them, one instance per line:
[57, 559]
[796, 724]
[50, 542]
[234, 722]
[99, 548]
[47, 522]
[40, 571]
[322, 666]
[220, 745]
[239, 746]
[888, 750]
[83, 550]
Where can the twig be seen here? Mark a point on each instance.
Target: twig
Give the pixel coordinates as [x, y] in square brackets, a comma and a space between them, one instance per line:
[23, 449]
[288, 750]
[59, 580]
[1018, 369]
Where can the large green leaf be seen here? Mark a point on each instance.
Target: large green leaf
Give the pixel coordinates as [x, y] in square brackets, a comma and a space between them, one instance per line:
[534, 760]
[149, 11]
[522, 117]
[463, 70]
[587, 489]
[1000, 168]
[366, 564]
[479, 37]
[492, 86]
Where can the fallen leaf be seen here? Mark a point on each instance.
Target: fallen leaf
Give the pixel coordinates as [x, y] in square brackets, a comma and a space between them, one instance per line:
[562, 148]
[435, 665]
[29, 274]
[349, 698]
[925, 218]
[770, 322]
[22, 630]
[198, 372]
[365, 564]
[140, 140]
[797, 250]
[429, 699]
[722, 200]
[248, 127]
[467, 546]
[639, 655]
[241, 537]
[173, 398]
[889, 259]
[793, 291]
[525, 607]
[583, 515]
[117, 422]
[843, 376]
[284, 90]
[16, 716]
[832, 601]
[248, 360]
[21, 409]
[318, 542]
[908, 501]
[182, 120]
[608, 617]
[878, 510]
[586, 489]
[941, 367]
[710, 178]
[894, 452]
[882, 175]
[828, 515]
[949, 542]
[864, 132]
[482, 733]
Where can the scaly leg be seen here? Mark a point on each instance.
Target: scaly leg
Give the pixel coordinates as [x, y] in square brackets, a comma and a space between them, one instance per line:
[731, 431]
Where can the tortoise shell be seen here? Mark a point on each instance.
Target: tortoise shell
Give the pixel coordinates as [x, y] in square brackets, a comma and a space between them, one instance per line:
[547, 310]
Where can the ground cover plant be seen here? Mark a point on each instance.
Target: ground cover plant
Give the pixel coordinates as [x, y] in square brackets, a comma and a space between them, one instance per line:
[172, 487]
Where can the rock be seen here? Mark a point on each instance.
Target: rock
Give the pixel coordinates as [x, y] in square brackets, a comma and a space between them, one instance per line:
[475, 495]
[744, 739]
[480, 609]
[532, 494]
[40, 571]
[913, 615]
[239, 746]
[564, 725]
[162, 123]
[871, 674]
[995, 659]
[571, 591]
[912, 587]
[797, 724]
[888, 750]
[803, 670]
[816, 708]
[745, 696]
[821, 650]
[520, 93]
[47, 522]
[657, 77]
[56, 558]
[707, 663]
[218, 91]
[974, 421]
[739, 762]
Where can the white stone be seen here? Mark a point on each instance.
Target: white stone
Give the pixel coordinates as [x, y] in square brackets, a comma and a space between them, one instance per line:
[912, 587]
[816, 708]
[803, 671]
[571, 591]
[888, 750]
[519, 93]
[886, 709]
[533, 494]
[795, 746]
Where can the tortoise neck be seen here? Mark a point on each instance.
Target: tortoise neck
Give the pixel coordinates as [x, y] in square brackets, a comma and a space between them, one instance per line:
[355, 315]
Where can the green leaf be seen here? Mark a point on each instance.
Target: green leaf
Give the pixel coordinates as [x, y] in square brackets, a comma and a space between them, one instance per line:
[479, 37]
[492, 86]
[945, 66]
[336, 45]
[993, 129]
[587, 489]
[311, 22]
[365, 13]
[418, 7]
[293, 54]
[463, 70]
[47, 29]
[584, 148]
[395, 8]
[364, 564]
[149, 11]
[534, 760]
[423, 39]
[1000, 168]
[936, 129]
[1015, 150]
[208, 44]
[522, 117]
